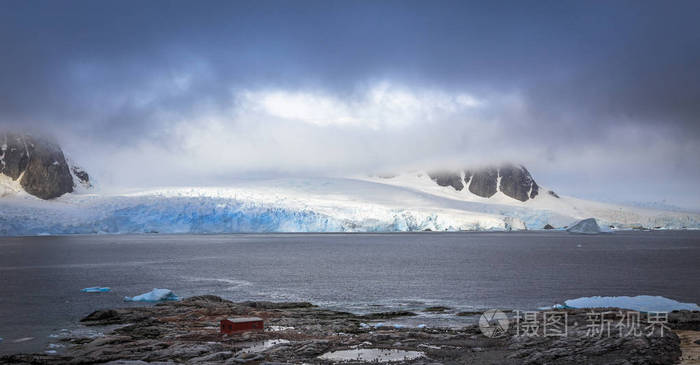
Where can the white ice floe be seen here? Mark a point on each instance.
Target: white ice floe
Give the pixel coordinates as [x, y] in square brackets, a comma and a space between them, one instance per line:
[156, 295]
[23, 339]
[642, 303]
[96, 289]
[371, 355]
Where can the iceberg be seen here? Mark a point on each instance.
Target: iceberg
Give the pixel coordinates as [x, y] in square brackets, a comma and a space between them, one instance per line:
[96, 289]
[586, 226]
[642, 303]
[156, 295]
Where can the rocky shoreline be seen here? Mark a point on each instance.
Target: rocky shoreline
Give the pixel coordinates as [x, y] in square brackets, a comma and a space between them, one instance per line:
[187, 332]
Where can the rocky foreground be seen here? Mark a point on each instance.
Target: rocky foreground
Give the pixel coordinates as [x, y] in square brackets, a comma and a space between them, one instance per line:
[187, 332]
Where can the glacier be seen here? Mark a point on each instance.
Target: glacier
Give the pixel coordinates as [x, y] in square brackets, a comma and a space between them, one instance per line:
[359, 204]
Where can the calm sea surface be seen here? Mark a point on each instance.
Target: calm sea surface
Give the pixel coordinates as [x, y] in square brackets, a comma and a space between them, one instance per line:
[41, 277]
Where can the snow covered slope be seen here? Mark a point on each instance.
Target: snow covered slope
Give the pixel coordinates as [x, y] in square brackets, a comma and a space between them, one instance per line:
[410, 202]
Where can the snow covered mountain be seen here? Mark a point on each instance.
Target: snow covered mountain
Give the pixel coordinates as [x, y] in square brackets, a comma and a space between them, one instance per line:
[36, 166]
[36, 179]
[407, 202]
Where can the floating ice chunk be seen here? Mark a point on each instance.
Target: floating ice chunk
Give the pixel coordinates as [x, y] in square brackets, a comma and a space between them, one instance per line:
[364, 325]
[421, 326]
[23, 339]
[586, 226]
[156, 295]
[642, 303]
[96, 289]
[51, 352]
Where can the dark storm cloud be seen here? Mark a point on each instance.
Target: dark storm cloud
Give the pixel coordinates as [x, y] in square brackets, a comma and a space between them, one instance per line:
[585, 75]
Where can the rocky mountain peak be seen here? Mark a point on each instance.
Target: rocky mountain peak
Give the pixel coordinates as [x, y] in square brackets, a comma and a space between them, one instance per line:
[38, 163]
[512, 180]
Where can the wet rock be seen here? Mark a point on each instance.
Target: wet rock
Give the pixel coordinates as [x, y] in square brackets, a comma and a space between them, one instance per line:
[436, 309]
[217, 356]
[448, 178]
[104, 316]
[468, 313]
[244, 358]
[387, 315]
[274, 305]
[548, 226]
[684, 320]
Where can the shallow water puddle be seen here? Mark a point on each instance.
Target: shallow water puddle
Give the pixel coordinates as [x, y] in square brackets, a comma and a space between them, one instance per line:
[261, 346]
[372, 355]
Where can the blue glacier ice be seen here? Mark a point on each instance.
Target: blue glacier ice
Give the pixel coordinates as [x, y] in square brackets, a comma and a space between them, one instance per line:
[182, 211]
[96, 289]
[585, 226]
[155, 295]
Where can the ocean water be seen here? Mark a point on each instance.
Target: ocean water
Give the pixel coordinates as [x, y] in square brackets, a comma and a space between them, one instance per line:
[41, 277]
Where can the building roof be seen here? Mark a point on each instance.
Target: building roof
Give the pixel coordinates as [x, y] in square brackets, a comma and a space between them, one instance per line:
[244, 319]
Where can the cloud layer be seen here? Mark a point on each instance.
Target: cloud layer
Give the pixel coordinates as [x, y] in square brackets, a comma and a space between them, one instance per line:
[599, 100]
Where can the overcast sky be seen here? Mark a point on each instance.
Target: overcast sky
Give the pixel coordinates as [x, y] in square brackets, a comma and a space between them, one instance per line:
[599, 99]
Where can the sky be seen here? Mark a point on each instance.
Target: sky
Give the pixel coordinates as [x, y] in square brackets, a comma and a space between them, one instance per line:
[598, 99]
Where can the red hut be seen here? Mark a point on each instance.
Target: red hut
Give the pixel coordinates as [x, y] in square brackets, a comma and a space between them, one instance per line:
[235, 325]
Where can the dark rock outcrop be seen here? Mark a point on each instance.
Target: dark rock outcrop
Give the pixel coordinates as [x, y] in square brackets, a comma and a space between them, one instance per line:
[39, 163]
[484, 181]
[188, 332]
[82, 176]
[448, 178]
[515, 181]
[15, 155]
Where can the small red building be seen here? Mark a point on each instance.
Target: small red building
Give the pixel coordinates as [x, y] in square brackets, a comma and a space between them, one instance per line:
[236, 325]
